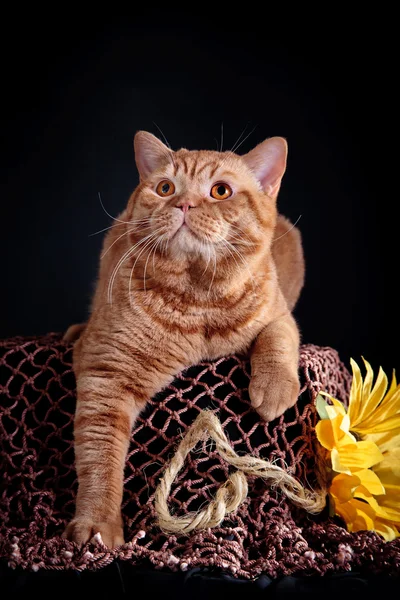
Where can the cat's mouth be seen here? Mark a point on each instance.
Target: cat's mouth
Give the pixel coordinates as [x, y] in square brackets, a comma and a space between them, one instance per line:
[185, 232]
[184, 227]
[186, 239]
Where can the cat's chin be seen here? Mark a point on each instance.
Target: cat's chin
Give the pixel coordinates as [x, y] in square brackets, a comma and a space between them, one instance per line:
[185, 241]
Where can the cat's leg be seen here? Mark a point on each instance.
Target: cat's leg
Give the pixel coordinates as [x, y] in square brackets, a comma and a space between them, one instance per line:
[274, 384]
[106, 409]
[113, 386]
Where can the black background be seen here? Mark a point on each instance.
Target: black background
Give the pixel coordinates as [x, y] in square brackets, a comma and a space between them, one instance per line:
[75, 93]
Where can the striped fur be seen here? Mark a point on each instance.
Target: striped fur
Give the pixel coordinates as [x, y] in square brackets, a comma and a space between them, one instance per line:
[216, 285]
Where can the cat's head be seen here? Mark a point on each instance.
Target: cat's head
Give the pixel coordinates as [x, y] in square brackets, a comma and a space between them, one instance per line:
[194, 201]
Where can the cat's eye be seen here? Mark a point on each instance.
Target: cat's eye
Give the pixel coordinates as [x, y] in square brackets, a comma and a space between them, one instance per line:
[165, 188]
[221, 191]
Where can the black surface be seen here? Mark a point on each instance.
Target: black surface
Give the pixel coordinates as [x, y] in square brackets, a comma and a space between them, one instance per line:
[120, 580]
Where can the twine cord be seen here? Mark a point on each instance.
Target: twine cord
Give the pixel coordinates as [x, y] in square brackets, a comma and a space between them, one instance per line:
[234, 491]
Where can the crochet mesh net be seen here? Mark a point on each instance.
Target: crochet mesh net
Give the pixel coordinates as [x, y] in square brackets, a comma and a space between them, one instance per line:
[266, 535]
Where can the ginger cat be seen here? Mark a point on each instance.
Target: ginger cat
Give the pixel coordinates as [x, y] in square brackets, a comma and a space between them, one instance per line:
[190, 271]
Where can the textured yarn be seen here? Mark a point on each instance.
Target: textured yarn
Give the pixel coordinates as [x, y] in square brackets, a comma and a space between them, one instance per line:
[267, 533]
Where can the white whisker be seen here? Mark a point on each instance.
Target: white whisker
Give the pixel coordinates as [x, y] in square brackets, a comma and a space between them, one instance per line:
[214, 271]
[210, 247]
[231, 151]
[229, 246]
[239, 138]
[157, 241]
[226, 244]
[165, 247]
[107, 213]
[171, 153]
[115, 270]
[209, 258]
[119, 263]
[161, 239]
[237, 144]
[115, 241]
[162, 133]
[292, 227]
[242, 236]
[244, 139]
[148, 243]
[139, 221]
[105, 229]
[239, 240]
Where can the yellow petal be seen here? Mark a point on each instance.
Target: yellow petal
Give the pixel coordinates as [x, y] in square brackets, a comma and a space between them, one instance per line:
[380, 438]
[388, 470]
[324, 432]
[393, 491]
[333, 432]
[390, 502]
[354, 457]
[371, 399]
[369, 428]
[388, 532]
[345, 428]
[343, 487]
[367, 384]
[389, 513]
[381, 418]
[370, 410]
[355, 397]
[380, 511]
[390, 405]
[370, 481]
[336, 407]
[365, 516]
[347, 511]
[337, 464]
[359, 515]
[393, 387]
[389, 424]
[333, 412]
[386, 442]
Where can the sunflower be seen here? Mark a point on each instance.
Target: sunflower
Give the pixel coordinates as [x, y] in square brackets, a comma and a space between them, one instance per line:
[363, 448]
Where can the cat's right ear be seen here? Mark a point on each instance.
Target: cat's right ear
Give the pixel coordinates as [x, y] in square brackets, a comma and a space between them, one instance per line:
[150, 153]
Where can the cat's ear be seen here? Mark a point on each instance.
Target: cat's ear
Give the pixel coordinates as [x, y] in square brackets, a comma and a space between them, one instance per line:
[150, 153]
[268, 163]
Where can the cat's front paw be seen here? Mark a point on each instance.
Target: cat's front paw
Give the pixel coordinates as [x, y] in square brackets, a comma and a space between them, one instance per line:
[272, 394]
[81, 530]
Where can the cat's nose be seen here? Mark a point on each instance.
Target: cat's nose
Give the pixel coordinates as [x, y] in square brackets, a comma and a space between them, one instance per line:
[185, 206]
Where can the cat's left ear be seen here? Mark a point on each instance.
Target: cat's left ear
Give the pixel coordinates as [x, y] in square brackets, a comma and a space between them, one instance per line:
[150, 153]
[268, 163]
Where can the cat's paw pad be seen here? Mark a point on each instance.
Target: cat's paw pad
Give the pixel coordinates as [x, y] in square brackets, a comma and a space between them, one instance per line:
[82, 530]
[271, 394]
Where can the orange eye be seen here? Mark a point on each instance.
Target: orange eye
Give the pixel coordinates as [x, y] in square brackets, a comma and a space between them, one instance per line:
[221, 191]
[165, 188]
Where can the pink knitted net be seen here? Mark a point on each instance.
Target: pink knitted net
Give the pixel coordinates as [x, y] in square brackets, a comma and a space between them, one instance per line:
[266, 535]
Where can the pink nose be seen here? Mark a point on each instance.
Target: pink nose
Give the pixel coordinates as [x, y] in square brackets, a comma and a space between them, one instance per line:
[185, 207]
